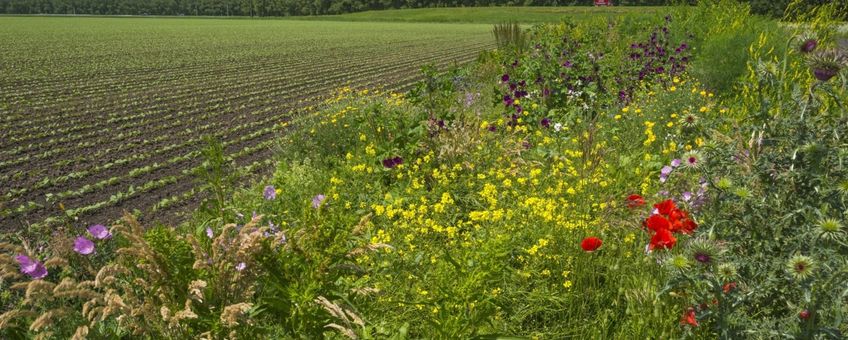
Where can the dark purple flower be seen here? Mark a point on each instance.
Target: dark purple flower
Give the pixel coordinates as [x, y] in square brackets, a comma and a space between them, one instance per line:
[824, 74]
[519, 109]
[515, 63]
[392, 162]
[99, 232]
[32, 268]
[83, 246]
[546, 122]
[505, 78]
[492, 128]
[507, 100]
[270, 193]
[809, 45]
[318, 200]
[567, 64]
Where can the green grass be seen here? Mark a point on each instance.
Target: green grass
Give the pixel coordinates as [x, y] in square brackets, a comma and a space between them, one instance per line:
[487, 15]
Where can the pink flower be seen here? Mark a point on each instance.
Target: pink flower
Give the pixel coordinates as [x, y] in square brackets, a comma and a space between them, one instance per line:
[99, 232]
[34, 269]
[318, 200]
[83, 246]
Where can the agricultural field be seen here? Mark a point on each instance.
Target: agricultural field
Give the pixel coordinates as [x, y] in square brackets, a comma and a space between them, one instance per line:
[99, 115]
[491, 15]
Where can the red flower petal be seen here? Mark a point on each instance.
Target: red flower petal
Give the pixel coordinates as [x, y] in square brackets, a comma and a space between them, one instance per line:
[657, 223]
[634, 201]
[591, 244]
[665, 207]
[689, 318]
[663, 239]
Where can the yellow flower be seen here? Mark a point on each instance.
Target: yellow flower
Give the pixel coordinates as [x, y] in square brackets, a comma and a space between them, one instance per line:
[672, 89]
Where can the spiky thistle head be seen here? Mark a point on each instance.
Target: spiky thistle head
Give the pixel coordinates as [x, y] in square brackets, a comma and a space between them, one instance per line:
[826, 64]
[726, 272]
[801, 267]
[705, 252]
[830, 229]
[678, 262]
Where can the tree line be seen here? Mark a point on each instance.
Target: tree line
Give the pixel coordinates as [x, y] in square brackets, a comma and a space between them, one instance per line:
[303, 7]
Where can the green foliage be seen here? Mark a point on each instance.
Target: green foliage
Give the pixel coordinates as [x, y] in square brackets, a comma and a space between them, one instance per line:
[217, 176]
[177, 265]
[458, 211]
[777, 203]
[510, 36]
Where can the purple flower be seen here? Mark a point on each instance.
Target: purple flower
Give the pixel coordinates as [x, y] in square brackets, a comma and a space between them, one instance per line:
[567, 64]
[492, 128]
[392, 162]
[809, 45]
[666, 170]
[241, 266]
[663, 178]
[469, 99]
[507, 100]
[686, 196]
[99, 232]
[83, 246]
[505, 78]
[318, 200]
[270, 193]
[34, 269]
[675, 162]
[546, 122]
[209, 233]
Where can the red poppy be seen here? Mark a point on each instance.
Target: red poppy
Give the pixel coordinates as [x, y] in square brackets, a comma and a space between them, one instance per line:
[665, 207]
[657, 223]
[591, 244]
[680, 222]
[689, 318]
[663, 239]
[634, 201]
[727, 287]
[804, 314]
